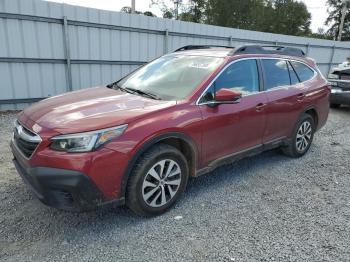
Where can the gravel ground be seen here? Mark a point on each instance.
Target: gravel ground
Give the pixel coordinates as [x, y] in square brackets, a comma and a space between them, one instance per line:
[265, 208]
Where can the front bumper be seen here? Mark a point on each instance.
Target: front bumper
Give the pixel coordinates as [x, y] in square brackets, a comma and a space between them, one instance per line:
[63, 189]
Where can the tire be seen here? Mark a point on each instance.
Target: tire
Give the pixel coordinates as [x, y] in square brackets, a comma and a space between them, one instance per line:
[301, 141]
[334, 105]
[151, 192]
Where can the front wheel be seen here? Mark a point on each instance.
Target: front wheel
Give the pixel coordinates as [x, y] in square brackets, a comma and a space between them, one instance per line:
[302, 137]
[157, 181]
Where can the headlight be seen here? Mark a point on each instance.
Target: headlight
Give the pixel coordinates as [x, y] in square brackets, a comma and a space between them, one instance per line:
[84, 142]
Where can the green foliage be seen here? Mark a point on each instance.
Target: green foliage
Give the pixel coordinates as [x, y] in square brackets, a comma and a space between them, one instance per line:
[196, 12]
[168, 12]
[333, 20]
[290, 17]
[149, 13]
[127, 9]
[168, 15]
[276, 16]
[322, 34]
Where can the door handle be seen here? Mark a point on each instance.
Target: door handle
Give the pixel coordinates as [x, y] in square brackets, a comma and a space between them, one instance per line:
[260, 106]
[300, 97]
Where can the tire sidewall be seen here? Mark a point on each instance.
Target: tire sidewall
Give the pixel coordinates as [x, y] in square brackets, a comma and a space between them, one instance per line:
[174, 155]
[303, 119]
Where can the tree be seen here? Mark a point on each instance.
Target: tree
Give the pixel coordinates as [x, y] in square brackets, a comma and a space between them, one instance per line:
[195, 12]
[245, 14]
[276, 16]
[290, 17]
[149, 13]
[321, 34]
[333, 20]
[168, 12]
[127, 9]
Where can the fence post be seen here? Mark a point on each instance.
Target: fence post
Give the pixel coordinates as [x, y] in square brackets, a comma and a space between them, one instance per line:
[230, 40]
[307, 49]
[166, 41]
[331, 60]
[67, 54]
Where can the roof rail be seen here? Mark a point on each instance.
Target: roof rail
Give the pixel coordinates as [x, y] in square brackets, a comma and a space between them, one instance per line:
[267, 49]
[193, 47]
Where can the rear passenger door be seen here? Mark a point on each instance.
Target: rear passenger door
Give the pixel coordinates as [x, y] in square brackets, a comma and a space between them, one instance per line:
[285, 98]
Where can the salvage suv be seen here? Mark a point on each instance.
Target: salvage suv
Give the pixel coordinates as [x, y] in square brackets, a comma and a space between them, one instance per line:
[137, 141]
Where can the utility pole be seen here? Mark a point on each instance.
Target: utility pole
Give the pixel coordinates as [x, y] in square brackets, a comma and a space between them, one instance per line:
[133, 6]
[343, 13]
[177, 2]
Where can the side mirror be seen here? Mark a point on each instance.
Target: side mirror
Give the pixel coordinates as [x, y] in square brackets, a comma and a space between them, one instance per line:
[227, 96]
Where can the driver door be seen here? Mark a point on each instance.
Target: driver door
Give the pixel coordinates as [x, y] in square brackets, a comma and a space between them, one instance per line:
[233, 127]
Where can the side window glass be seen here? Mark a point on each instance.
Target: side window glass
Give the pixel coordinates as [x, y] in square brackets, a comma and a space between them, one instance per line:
[304, 72]
[208, 96]
[241, 76]
[276, 73]
[293, 77]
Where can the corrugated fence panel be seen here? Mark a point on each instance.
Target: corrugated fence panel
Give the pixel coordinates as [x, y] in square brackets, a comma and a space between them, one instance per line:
[38, 53]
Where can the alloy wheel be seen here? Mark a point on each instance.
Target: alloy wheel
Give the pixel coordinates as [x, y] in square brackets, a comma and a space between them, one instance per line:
[304, 136]
[161, 183]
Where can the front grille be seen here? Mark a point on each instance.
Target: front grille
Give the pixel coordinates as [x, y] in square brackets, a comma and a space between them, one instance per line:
[26, 140]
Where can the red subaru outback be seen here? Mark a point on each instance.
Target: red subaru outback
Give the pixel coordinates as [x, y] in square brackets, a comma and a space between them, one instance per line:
[138, 140]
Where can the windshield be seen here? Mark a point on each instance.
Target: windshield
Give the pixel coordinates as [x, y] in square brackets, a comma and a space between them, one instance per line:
[171, 77]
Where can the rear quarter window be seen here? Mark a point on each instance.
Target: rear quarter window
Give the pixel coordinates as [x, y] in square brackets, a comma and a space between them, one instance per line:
[304, 72]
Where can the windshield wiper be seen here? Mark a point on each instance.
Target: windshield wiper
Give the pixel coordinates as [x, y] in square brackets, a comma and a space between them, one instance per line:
[143, 93]
[112, 85]
[134, 91]
[116, 86]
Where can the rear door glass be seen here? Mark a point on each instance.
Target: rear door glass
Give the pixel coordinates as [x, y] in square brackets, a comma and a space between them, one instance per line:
[276, 73]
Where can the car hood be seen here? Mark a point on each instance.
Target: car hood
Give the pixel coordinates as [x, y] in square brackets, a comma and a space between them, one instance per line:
[91, 109]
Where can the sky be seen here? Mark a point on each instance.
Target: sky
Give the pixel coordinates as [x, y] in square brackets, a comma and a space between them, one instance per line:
[317, 8]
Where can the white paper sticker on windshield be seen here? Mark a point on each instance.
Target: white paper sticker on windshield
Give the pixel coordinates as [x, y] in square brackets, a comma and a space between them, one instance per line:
[199, 65]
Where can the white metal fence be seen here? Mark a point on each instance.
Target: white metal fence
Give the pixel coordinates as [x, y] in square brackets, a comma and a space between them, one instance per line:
[48, 48]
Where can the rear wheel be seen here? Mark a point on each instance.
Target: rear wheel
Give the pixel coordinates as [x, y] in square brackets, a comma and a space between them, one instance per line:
[157, 181]
[302, 137]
